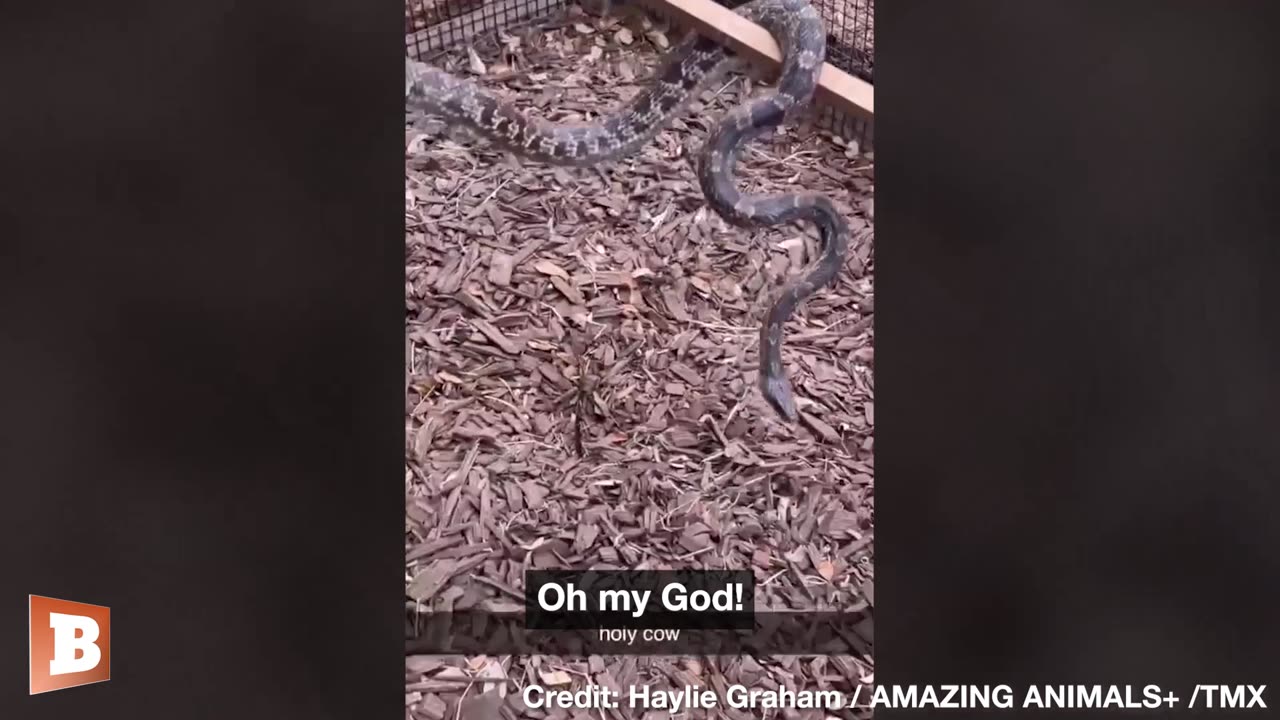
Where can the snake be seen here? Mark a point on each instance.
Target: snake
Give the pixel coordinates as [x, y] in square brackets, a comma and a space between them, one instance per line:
[691, 65]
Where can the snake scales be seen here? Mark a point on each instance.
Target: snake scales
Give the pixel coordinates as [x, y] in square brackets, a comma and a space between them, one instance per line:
[797, 27]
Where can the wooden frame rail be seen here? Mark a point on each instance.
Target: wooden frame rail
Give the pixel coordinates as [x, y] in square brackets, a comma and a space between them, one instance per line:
[835, 86]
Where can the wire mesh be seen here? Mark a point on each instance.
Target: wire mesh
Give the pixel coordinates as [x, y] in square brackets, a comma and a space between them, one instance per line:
[432, 26]
[850, 47]
[435, 25]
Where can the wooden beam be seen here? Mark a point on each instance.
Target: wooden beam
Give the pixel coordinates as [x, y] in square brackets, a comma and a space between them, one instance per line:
[835, 86]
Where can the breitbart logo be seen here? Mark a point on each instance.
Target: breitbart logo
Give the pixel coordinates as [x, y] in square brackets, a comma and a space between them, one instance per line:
[70, 644]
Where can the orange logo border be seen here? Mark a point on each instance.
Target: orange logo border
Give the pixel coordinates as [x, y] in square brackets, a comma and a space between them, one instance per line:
[40, 684]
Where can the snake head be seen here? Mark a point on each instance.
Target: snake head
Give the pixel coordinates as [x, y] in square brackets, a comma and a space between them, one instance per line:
[777, 392]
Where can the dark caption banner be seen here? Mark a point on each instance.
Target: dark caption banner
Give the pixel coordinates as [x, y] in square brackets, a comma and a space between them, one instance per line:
[772, 633]
[641, 613]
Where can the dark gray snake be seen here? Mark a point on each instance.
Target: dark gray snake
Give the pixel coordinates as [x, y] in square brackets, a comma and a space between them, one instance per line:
[797, 27]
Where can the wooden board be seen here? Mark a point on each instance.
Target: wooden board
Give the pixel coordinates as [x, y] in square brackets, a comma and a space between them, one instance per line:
[835, 86]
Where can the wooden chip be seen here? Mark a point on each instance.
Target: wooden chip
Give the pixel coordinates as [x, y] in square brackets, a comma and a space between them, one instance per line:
[428, 582]
[546, 267]
[555, 678]
[840, 522]
[586, 537]
[686, 373]
[605, 278]
[500, 267]
[570, 292]
[496, 337]
[481, 707]
[534, 494]
[422, 440]
[432, 707]
[827, 432]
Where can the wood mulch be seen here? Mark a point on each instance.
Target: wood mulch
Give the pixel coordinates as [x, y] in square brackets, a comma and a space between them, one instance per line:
[580, 385]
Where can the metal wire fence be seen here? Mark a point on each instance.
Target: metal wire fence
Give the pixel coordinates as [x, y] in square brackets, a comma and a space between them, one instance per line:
[432, 26]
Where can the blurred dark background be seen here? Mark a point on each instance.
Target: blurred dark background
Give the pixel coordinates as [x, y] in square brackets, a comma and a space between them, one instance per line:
[201, 293]
[1078, 353]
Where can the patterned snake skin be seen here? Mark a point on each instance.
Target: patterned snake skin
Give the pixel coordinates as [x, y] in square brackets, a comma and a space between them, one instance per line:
[797, 27]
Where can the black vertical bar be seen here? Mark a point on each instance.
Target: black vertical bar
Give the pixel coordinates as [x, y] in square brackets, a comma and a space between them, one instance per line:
[1078, 359]
[201, 333]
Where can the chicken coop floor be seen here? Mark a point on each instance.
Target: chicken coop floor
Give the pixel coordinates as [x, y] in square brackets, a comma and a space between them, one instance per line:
[581, 351]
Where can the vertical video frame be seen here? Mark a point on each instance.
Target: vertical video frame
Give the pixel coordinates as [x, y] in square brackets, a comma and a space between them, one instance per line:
[584, 330]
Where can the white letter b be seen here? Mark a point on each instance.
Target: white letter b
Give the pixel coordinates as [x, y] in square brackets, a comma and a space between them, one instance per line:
[65, 644]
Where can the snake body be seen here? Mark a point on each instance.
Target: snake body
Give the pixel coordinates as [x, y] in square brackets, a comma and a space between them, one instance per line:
[797, 27]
